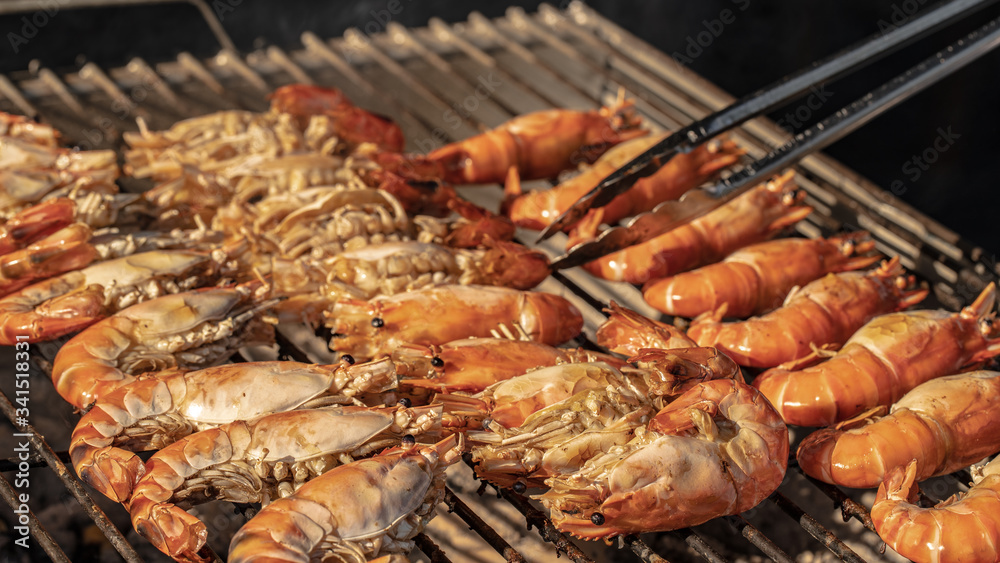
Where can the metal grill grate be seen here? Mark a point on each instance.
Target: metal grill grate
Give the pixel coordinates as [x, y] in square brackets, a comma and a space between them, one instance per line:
[447, 82]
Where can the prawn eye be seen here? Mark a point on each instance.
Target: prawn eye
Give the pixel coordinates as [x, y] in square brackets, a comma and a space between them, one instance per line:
[437, 362]
[404, 402]
[347, 359]
[409, 440]
[597, 518]
[519, 487]
[486, 423]
[378, 322]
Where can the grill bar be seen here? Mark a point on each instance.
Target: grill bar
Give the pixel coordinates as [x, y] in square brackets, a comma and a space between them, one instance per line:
[546, 529]
[816, 530]
[73, 485]
[479, 526]
[35, 528]
[758, 539]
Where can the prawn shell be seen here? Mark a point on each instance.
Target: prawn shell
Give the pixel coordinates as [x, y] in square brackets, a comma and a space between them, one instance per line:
[449, 312]
[957, 530]
[944, 424]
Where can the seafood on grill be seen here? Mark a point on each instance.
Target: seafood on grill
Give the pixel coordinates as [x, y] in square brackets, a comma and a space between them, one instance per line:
[376, 327]
[65, 250]
[718, 449]
[75, 300]
[532, 146]
[393, 267]
[354, 512]
[627, 332]
[152, 412]
[658, 373]
[188, 330]
[34, 223]
[882, 361]
[757, 215]
[756, 279]
[559, 438]
[943, 425]
[536, 209]
[32, 172]
[259, 461]
[825, 312]
[470, 365]
[352, 124]
[27, 129]
[961, 528]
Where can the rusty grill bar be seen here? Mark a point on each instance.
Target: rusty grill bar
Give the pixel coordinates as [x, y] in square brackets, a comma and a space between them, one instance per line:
[427, 79]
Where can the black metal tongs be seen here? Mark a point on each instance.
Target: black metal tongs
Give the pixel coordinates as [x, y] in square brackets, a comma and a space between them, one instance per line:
[695, 203]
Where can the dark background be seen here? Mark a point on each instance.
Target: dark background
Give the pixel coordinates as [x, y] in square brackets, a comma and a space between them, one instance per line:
[767, 40]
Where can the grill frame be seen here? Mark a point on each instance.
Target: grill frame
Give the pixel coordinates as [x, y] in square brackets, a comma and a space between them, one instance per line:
[521, 49]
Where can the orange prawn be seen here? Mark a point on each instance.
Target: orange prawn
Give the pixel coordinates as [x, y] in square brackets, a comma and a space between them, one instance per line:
[754, 216]
[944, 424]
[757, 278]
[533, 146]
[352, 123]
[959, 529]
[439, 314]
[536, 209]
[823, 313]
[885, 358]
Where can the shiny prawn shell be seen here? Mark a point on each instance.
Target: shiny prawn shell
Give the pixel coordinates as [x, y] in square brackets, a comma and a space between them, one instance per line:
[74, 300]
[884, 359]
[757, 278]
[943, 425]
[757, 215]
[718, 449]
[378, 326]
[960, 529]
[355, 512]
[189, 330]
[259, 461]
[151, 413]
[824, 312]
[470, 365]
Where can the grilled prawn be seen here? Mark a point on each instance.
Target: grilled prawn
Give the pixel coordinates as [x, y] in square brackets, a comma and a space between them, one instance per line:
[887, 357]
[77, 299]
[189, 330]
[259, 461]
[757, 278]
[559, 438]
[470, 365]
[533, 146]
[152, 412]
[367, 329]
[390, 268]
[962, 528]
[718, 449]
[943, 425]
[351, 123]
[536, 209]
[354, 512]
[627, 332]
[756, 215]
[658, 373]
[824, 312]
